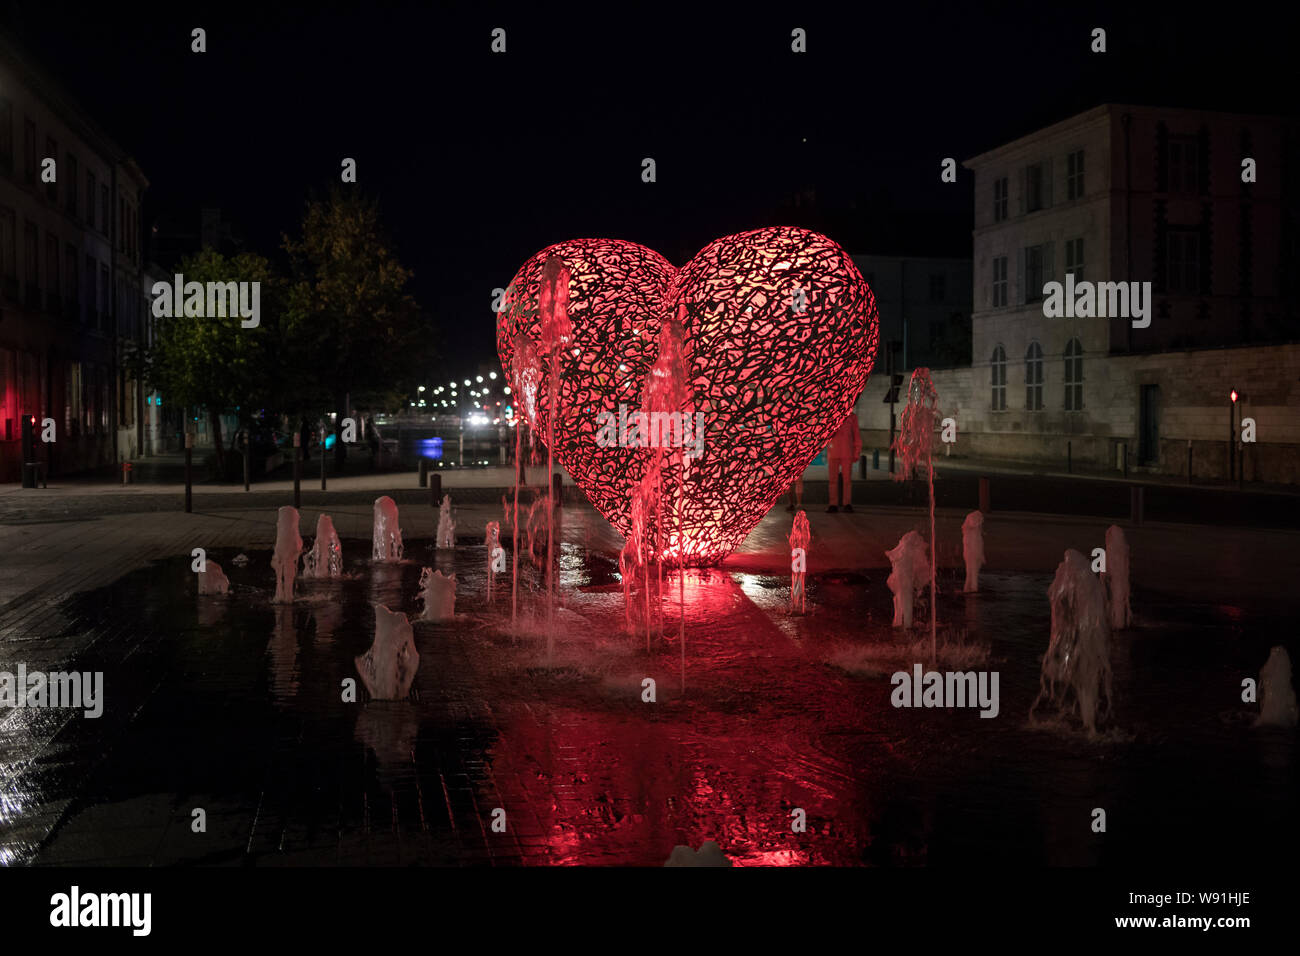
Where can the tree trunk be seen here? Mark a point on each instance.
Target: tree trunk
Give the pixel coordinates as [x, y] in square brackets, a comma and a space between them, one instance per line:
[215, 418]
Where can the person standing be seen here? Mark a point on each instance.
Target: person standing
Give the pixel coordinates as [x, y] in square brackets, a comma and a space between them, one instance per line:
[841, 453]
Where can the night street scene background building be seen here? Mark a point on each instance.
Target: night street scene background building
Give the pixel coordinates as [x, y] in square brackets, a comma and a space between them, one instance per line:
[369, 577]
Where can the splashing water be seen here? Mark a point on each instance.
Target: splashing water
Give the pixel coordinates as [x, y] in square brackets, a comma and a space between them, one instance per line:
[667, 392]
[388, 668]
[1116, 577]
[492, 542]
[288, 546]
[972, 549]
[325, 559]
[525, 374]
[914, 445]
[1277, 703]
[911, 572]
[800, 535]
[1076, 668]
[634, 559]
[446, 525]
[556, 334]
[212, 580]
[387, 536]
[438, 593]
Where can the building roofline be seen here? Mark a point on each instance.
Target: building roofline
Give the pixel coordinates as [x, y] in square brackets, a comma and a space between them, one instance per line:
[1091, 115]
[898, 255]
[66, 107]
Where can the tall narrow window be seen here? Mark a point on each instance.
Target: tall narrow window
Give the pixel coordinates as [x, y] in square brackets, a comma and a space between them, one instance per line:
[51, 152]
[1074, 376]
[1038, 187]
[1074, 259]
[53, 287]
[999, 281]
[1033, 277]
[71, 280]
[32, 268]
[1034, 378]
[71, 175]
[92, 291]
[1183, 166]
[6, 134]
[998, 378]
[1000, 199]
[29, 151]
[1184, 261]
[90, 199]
[1074, 175]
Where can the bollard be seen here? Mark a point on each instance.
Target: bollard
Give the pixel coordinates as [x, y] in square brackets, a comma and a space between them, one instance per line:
[875, 459]
[247, 464]
[29, 451]
[985, 505]
[322, 460]
[297, 469]
[862, 466]
[557, 488]
[424, 472]
[189, 474]
[435, 490]
[1136, 503]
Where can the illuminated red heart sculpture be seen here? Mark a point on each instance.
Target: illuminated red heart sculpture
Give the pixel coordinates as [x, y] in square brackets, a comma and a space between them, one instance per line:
[772, 371]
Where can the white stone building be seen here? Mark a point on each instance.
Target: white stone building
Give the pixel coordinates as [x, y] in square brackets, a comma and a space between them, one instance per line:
[1132, 194]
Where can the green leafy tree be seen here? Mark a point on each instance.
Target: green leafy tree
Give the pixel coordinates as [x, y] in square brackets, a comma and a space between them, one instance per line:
[349, 313]
[213, 362]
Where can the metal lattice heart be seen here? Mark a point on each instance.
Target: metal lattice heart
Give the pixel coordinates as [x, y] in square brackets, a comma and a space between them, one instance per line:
[780, 334]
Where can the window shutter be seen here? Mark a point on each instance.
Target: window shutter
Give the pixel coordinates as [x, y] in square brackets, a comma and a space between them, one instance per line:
[1022, 182]
[1020, 276]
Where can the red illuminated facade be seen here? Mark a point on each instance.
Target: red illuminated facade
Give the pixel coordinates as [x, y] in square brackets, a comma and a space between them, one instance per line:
[772, 369]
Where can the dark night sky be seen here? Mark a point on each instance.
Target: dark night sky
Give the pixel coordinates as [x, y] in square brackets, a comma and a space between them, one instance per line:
[479, 160]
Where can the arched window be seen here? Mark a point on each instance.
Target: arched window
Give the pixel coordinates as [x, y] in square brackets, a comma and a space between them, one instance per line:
[1034, 378]
[998, 369]
[1074, 376]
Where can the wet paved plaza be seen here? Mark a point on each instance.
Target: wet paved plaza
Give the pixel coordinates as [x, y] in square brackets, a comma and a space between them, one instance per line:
[233, 706]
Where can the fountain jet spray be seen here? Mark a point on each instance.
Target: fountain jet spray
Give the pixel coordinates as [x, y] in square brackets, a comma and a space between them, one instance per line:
[325, 559]
[386, 537]
[288, 545]
[667, 392]
[915, 444]
[800, 535]
[556, 334]
[1117, 579]
[1076, 668]
[525, 374]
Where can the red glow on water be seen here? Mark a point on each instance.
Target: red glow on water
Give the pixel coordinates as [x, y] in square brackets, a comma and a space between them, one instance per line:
[770, 375]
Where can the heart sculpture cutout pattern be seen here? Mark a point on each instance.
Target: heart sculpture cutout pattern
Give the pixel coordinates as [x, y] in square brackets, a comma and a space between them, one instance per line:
[778, 334]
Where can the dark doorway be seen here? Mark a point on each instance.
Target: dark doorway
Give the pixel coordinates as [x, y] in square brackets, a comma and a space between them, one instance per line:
[1149, 425]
